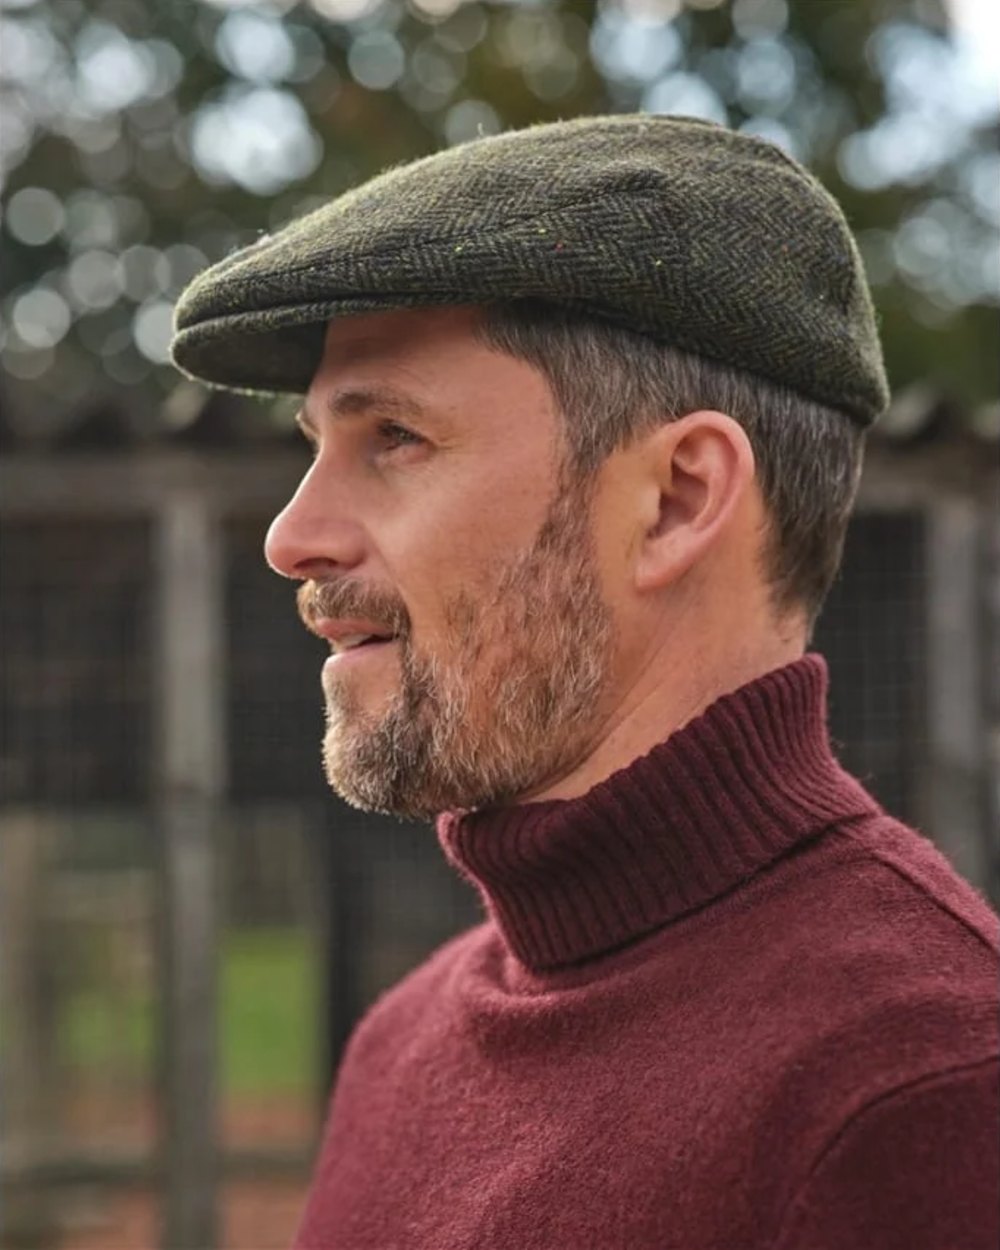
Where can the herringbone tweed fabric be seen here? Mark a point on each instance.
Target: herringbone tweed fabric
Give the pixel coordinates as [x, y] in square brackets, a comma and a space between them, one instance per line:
[712, 241]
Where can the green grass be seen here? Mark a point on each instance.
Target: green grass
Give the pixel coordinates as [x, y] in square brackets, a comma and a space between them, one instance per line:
[268, 1019]
[268, 1013]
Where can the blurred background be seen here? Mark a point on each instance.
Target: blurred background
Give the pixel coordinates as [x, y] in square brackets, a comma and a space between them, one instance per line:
[189, 923]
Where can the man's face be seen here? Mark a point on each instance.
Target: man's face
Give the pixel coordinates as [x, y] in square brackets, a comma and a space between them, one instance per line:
[436, 522]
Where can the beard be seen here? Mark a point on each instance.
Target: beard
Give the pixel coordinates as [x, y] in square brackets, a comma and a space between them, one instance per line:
[508, 700]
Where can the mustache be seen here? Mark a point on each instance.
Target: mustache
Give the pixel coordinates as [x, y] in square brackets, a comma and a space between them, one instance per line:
[347, 598]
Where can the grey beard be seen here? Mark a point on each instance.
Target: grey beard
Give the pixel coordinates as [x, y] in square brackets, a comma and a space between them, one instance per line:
[513, 704]
[424, 754]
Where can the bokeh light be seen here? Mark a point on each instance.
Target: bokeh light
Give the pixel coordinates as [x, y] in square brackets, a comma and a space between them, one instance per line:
[259, 138]
[256, 46]
[34, 215]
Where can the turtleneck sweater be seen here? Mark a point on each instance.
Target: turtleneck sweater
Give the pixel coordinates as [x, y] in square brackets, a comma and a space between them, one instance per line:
[722, 1001]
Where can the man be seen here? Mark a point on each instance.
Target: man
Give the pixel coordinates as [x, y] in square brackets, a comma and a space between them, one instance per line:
[587, 404]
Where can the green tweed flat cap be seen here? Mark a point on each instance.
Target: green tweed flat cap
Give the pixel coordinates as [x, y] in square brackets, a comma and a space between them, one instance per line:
[697, 236]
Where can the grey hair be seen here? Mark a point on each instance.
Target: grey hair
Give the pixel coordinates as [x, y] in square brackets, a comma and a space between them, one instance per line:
[614, 384]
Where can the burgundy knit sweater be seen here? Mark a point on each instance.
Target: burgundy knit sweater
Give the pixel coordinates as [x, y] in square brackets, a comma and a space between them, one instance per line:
[720, 1002]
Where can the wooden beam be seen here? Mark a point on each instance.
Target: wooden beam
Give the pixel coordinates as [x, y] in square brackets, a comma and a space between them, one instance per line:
[238, 482]
[27, 1008]
[957, 735]
[190, 737]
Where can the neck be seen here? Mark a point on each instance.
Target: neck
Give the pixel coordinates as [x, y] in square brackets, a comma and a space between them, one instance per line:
[704, 811]
[676, 682]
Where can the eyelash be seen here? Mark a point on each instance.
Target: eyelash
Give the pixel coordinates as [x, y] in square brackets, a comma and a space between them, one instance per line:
[390, 433]
[395, 435]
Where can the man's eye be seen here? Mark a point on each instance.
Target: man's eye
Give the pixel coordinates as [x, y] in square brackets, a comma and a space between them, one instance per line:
[392, 435]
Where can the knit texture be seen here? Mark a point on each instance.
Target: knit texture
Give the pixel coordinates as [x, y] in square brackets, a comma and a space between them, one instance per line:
[721, 1002]
[712, 241]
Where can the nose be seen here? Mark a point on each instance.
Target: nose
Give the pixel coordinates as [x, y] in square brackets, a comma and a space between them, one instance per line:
[312, 536]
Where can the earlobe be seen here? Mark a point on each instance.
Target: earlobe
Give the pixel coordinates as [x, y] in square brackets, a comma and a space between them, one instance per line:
[702, 466]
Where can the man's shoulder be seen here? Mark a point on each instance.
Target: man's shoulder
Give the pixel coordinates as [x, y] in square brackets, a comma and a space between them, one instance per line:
[890, 970]
[899, 877]
[862, 967]
[866, 911]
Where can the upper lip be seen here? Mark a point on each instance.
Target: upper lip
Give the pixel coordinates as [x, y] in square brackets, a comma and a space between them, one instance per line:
[335, 629]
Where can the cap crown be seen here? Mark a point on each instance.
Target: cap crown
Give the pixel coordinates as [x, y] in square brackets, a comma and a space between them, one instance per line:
[712, 241]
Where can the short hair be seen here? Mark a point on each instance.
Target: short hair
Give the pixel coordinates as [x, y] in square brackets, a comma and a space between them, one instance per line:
[613, 384]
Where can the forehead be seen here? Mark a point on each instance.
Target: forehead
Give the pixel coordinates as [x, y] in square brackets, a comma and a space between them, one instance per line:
[433, 359]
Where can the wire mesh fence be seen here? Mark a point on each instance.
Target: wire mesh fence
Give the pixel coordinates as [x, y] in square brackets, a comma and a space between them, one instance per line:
[108, 1016]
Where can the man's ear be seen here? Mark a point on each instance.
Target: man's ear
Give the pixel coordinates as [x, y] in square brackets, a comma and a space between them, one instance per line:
[699, 470]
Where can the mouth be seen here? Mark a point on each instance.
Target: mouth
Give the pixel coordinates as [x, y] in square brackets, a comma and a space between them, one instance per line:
[352, 635]
[353, 643]
[355, 653]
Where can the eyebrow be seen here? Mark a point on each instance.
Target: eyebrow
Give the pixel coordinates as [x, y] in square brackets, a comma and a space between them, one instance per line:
[358, 402]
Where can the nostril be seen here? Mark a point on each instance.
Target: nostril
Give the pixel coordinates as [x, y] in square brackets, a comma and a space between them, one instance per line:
[315, 568]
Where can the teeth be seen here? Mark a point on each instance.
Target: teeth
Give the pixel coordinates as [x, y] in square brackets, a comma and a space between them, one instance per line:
[349, 641]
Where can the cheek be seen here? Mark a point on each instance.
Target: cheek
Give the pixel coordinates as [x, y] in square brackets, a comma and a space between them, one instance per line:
[617, 536]
[461, 550]
[438, 571]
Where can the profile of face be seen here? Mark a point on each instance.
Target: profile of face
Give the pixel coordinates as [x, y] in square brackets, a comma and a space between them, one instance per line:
[448, 558]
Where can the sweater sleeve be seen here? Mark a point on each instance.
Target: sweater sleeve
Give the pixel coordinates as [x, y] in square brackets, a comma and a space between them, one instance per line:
[918, 1169]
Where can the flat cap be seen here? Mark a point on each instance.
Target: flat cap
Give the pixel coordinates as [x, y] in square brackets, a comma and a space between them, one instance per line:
[712, 241]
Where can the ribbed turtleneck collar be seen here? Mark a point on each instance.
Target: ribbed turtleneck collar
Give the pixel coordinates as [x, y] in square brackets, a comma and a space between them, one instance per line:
[720, 799]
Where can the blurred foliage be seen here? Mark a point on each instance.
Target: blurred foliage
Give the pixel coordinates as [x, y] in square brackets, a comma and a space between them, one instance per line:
[141, 139]
[268, 1044]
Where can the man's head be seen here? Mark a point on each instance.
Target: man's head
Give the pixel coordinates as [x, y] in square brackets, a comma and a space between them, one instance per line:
[588, 404]
[527, 536]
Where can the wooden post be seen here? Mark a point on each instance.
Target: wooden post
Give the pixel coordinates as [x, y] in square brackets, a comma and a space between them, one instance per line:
[189, 785]
[990, 616]
[27, 1012]
[955, 790]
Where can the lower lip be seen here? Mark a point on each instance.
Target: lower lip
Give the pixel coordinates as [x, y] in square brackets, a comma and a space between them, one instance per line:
[355, 655]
